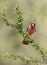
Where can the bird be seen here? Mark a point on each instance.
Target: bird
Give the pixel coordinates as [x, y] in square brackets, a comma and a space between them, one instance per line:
[31, 28]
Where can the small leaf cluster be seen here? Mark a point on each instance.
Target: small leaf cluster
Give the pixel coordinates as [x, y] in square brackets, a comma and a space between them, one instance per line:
[19, 25]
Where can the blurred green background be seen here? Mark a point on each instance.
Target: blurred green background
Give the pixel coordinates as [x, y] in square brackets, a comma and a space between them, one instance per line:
[32, 9]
